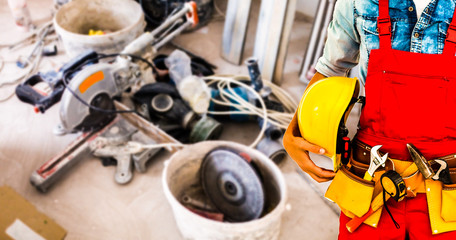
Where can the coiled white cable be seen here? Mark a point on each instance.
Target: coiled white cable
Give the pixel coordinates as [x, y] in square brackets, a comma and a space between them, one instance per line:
[228, 97]
[224, 83]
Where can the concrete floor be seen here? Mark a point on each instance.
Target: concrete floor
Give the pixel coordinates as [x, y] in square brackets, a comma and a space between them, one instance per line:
[90, 205]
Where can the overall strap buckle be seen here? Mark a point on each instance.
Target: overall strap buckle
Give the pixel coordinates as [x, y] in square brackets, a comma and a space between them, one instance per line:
[451, 34]
[384, 26]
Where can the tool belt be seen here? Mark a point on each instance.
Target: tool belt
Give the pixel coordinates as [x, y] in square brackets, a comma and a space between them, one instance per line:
[355, 196]
[361, 160]
[361, 152]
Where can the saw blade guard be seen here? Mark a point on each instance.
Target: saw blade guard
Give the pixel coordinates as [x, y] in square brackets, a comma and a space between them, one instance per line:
[94, 85]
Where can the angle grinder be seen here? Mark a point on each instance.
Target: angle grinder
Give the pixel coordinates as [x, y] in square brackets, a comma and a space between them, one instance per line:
[233, 184]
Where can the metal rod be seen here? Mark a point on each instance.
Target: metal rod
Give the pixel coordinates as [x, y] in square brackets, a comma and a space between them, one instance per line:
[284, 42]
[172, 35]
[254, 72]
[171, 19]
[272, 35]
[314, 36]
[324, 31]
[235, 30]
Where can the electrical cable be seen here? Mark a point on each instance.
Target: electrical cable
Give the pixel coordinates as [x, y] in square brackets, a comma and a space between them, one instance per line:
[279, 119]
[23, 75]
[284, 97]
[134, 146]
[28, 39]
[33, 68]
[2, 63]
[151, 65]
[107, 111]
[161, 145]
[33, 65]
[264, 111]
[228, 97]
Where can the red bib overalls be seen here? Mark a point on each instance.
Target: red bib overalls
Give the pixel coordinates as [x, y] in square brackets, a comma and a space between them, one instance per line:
[410, 98]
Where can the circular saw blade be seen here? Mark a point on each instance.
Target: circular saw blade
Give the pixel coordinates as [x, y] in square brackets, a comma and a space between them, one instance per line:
[233, 185]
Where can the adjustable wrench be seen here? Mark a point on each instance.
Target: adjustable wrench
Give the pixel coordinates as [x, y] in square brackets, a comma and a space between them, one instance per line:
[375, 162]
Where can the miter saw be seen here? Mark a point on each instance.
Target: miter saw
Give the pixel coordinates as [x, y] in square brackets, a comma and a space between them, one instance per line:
[87, 87]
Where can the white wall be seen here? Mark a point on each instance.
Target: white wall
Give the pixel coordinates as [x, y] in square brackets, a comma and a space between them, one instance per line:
[307, 7]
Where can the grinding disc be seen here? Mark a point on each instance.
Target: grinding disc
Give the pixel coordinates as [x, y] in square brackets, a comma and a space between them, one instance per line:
[233, 185]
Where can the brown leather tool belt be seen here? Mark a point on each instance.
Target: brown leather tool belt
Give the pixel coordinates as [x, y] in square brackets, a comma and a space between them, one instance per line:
[361, 159]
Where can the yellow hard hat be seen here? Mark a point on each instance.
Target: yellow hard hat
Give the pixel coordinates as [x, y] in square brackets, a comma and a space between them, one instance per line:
[323, 111]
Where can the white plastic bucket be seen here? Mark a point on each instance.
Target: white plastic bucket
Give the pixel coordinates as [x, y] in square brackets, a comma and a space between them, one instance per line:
[181, 173]
[123, 19]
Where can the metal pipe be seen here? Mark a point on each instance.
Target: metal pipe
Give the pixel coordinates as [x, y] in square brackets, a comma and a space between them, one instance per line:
[324, 31]
[172, 35]
[272, 35]
[314, 36]
[170, 20]
[254, 73]
[273, 149]
[235, 30]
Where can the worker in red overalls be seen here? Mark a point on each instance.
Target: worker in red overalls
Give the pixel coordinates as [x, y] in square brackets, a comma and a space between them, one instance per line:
[406, 52]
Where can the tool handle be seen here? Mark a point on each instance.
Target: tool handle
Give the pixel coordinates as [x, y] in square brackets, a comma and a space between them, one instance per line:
[355, 222]
[192, 15]
[41, 100]
[26, 93]
[367, 176]
[74, 63]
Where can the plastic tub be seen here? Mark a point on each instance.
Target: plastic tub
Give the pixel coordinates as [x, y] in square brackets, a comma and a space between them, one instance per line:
[122, 20]
[181, 176]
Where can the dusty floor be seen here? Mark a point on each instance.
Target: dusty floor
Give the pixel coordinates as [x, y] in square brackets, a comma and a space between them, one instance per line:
[90, 205]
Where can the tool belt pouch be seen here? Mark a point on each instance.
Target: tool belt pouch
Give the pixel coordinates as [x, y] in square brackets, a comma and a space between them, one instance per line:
[448, 211]
[351, 192]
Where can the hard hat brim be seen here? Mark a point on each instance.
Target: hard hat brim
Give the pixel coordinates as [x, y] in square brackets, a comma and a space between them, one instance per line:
[321, 109]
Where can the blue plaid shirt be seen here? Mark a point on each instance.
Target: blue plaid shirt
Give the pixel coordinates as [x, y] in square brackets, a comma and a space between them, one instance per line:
[352, 34]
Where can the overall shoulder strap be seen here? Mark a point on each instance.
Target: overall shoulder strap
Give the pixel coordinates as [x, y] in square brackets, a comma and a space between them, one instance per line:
[450, 41]
[384, 24]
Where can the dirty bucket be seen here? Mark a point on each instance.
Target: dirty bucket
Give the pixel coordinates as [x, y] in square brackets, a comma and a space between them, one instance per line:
[122, 20]
[181, 175]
